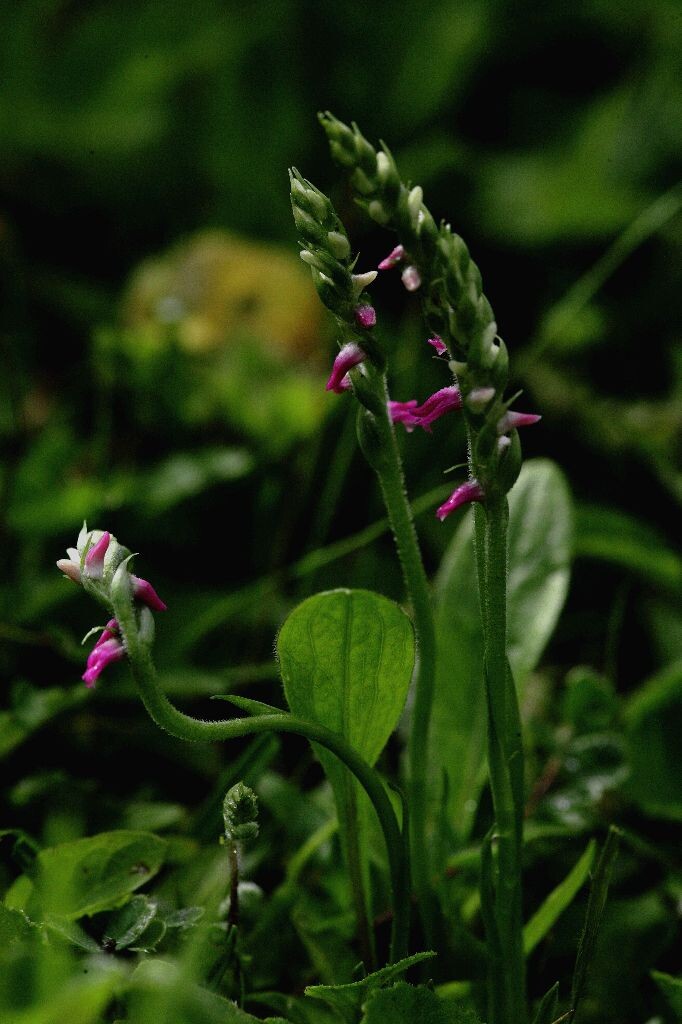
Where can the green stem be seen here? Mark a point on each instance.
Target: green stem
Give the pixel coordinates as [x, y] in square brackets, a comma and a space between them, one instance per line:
[390, 473]
[185, 727]
[505, 764]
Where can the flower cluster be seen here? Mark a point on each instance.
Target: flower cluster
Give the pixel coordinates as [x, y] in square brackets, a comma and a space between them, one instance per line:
[97, 562]
[434, 261]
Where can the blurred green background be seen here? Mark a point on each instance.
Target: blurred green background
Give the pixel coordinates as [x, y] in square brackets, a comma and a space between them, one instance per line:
[164, 356]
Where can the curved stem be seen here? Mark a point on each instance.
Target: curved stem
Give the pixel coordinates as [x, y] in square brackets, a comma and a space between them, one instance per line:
[390, 473]
[194, 730]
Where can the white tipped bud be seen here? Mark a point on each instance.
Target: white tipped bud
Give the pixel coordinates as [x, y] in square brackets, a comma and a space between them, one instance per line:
[362, 281]
[338, 244]
[479, 398]
[378, 212]
[383, 167]
[457, 368]
[503, 443]
[414, 203]
[311, 259]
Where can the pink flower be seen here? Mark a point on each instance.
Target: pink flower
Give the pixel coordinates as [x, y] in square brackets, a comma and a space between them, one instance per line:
[513, 420]
[365, 316]
[94, 560]
[349, 356]
[107, 650]
[393, 258]
[411, 278]
[144, 592]
[470, 491]
[437, 343]
[412, 415]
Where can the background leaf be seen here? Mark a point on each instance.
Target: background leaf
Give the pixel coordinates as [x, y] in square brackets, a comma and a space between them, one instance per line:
[93, 874]
[540, 538]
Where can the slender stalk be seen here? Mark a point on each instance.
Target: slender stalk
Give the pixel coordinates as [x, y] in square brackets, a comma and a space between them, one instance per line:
[391, 479]
[507, 965]
[185, 727]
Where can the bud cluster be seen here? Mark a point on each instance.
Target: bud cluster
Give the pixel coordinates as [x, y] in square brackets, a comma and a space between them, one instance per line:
[436, 262]
[101, 566]
[240, 814]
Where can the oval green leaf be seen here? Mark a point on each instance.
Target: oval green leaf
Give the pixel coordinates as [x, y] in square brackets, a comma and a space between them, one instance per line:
[346, 659]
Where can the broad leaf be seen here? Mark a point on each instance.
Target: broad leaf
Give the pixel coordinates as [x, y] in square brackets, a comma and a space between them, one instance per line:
[540, 539]
[93, 874]
[348, 1000]
[346, 659]
[405, 1004]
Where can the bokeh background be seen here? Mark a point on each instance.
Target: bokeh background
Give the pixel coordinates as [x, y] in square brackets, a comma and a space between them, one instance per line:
[164, 355]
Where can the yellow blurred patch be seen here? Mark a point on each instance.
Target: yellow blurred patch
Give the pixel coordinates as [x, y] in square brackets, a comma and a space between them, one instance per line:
[214, 286]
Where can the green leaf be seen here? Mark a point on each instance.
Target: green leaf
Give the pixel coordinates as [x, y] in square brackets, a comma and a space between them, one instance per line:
[93, 874]
[609, 535]
[547, 1009]
[348, 1000]
[346, 658]
[160, 990]
[599, 891]
[540, 541]
[671, 988]
[653, 719]
[405, 1004]
[558, 900]
[127, 924]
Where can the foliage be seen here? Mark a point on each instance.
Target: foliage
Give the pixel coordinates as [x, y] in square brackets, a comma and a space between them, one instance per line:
[164, 360]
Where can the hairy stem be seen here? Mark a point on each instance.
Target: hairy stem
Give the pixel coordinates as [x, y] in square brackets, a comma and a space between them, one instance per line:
[195, 730]
[390, 473]
[505, 764]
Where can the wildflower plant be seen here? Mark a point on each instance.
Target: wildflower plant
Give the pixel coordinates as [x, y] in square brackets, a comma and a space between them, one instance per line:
[333, 643]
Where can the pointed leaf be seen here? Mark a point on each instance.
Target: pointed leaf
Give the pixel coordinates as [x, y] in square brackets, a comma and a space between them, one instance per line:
[406, 1004]
[558, 899]
[348, 1000]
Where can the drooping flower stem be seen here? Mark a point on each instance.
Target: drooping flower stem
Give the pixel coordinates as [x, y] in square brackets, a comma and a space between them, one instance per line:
[506, 988]
[136, 628]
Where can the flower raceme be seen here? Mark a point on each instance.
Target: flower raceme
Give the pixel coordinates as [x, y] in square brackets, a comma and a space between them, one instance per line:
[99, 563]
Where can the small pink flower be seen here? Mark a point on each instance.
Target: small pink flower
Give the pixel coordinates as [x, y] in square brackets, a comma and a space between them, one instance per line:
[109, 631]
[349, 356]
[411, 278]
[513, 420]
[470, 491]
[144, 592]
[393, 258]
[412, 415]
[103, 653]
[437, 343]
[94, 560]
[365, 316]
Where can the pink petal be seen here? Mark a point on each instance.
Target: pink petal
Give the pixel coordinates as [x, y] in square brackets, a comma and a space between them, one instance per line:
[438, 344]
[109, 631]
[101, 656]
[411, 278]
[145, 593]
[470, 491]
[393, 258]
[349, 356]
[365, 316]
[513, 420]
[412, 415]
[95, 555]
